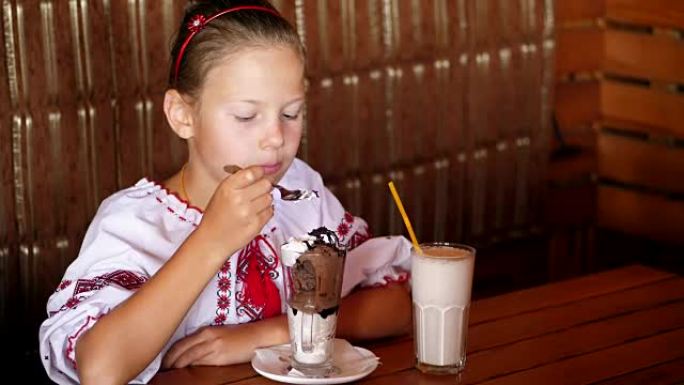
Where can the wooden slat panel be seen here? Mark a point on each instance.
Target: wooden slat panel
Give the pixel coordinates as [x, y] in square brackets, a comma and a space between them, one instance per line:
[645, 215]
[368, 38]
[635, 128]
[639, 162]
[577, 104]
[574, 10]
[660, 13]
[603, 364]
[643, 106]
[654, 57]
[579, 50]
[8, 228]
[564, 292]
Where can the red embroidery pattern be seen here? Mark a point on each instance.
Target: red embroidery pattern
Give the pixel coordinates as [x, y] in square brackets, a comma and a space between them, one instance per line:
[257, 302]
[172, 211]
[69, 353]
[348, 217]
[224, 293]
[343, 229]
[124, 278]
[73, 301]
[70, 304]
[358, 237]
[63, 285]
[401, 278]
[168, 208]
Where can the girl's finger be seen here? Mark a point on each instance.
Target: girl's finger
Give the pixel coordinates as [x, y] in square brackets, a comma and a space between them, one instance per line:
[179, 348]
[257, 189]
[265, 215]
[193, 355]
[246, 177]
[261, 202]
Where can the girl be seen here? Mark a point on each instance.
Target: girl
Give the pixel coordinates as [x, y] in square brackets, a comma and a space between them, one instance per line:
[188, 273]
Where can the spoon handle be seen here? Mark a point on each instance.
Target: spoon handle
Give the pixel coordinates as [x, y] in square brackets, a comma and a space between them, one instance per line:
[231, 169]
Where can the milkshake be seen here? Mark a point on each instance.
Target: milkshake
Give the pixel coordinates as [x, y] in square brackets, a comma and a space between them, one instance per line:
[441, 285]
[313, 267]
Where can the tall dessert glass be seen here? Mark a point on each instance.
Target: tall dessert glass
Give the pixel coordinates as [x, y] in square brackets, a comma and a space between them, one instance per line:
[313, 269]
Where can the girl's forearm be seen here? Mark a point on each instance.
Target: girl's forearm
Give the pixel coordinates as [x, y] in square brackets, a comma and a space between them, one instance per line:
[375, 313]
[121, 344]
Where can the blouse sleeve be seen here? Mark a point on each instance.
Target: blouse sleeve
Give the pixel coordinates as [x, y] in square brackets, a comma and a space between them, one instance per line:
[74, 308]
[377, 262]
[115, 260]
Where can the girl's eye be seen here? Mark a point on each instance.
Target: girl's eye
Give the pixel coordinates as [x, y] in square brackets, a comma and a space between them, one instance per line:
[291, 116]
[244, 119]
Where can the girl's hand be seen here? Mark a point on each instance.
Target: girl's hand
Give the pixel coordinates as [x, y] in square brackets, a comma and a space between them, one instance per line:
[238, 210]
[210, 346]
[226, 345]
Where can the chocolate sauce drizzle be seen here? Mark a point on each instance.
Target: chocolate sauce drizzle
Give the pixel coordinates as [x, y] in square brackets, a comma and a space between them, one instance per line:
[325, 237]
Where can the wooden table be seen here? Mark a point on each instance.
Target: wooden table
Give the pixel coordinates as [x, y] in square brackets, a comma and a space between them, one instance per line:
[623, 326]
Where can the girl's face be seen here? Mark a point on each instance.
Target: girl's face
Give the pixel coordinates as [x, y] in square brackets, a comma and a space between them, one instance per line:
[249, 112]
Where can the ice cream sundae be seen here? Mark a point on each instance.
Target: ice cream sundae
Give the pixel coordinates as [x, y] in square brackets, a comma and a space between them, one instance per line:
[313, 268]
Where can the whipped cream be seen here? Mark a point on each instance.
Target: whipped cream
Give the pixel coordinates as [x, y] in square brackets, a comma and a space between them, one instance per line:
[293, 248]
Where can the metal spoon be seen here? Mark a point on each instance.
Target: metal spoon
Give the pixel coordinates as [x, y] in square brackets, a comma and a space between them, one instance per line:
[285, 194]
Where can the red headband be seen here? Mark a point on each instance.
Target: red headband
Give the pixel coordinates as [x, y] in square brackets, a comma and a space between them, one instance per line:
[198, 22]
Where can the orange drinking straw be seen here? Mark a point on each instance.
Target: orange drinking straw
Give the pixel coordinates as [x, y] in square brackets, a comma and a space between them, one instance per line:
[407, 222]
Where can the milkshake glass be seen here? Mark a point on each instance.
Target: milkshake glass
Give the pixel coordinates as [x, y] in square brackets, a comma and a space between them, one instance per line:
[441, 285]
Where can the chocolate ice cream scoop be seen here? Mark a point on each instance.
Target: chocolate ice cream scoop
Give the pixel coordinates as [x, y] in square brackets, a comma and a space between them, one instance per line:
[316, 275]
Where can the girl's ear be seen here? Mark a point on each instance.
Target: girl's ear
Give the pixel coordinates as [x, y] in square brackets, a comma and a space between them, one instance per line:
[179, 114]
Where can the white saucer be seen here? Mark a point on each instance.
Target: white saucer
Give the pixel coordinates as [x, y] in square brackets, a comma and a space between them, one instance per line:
[274, 363]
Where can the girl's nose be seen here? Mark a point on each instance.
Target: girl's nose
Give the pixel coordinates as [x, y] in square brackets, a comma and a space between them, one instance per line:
[273, 137]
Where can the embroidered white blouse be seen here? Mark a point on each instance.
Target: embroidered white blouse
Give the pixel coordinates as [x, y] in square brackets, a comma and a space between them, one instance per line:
[139, 228]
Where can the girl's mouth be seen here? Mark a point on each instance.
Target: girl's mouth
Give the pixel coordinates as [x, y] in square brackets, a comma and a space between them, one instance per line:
[271, 169]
